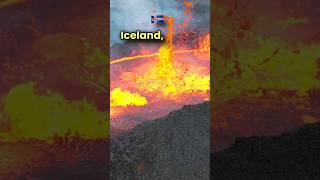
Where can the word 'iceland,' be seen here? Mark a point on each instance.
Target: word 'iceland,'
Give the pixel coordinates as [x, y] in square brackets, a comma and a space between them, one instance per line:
[157, 35]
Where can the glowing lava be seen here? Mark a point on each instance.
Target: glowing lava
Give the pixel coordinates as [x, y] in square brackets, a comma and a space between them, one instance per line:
[134, 57]
[142, 56]
[164, 77]
[173, 78]
[169, 80]
[126, 98]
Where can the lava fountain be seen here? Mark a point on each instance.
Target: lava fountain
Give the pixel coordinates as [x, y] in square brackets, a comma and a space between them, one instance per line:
[159, 82]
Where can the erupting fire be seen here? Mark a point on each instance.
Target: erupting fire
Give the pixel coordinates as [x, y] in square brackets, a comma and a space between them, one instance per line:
[204, 46]
[171, 78]
[165, 77]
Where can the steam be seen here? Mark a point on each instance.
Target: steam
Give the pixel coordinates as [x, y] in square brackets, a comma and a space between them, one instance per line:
[135, 15]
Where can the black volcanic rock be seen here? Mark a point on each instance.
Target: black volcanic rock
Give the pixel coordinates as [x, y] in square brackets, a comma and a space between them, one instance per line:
[293, 156]
[176, 147]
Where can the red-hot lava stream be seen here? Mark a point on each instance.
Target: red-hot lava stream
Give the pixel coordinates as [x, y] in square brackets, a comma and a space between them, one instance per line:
[165, 81]
[142, 56]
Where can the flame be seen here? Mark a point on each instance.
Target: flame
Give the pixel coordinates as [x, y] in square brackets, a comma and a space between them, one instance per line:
[126, 98]
[170, 33]
[204, 45]
[168, 78]
[164, 76]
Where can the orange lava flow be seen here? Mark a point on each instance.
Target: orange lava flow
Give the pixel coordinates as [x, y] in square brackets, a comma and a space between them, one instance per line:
[141, 56]
[134, 57]
[170, 80]
[167, 80]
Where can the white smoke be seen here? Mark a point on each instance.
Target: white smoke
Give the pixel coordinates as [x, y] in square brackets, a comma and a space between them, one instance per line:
[132, 15]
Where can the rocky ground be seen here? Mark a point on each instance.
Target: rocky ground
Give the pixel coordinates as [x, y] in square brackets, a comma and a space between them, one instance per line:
[176, 147]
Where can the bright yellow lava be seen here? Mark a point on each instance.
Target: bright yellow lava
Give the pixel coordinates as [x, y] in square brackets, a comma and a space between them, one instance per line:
[163, 78]
[126, 98]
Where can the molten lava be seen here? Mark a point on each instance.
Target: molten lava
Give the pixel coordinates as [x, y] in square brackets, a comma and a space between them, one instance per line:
[143, 56]
[121, 98]
[126, 98]
[171, 78]
[168, 79]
